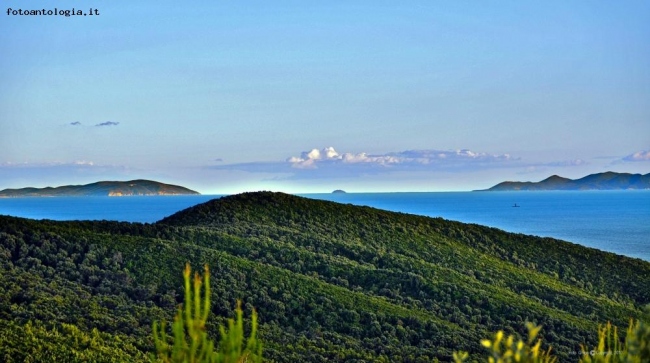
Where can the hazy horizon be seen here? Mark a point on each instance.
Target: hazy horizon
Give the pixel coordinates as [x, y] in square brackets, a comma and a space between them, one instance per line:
[224, 97]
[327, 191]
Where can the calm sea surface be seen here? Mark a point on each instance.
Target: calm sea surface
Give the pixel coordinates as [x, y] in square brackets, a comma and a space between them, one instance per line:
[615, 221]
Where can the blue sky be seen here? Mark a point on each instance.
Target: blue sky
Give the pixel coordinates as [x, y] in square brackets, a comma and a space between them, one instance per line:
[228, 96]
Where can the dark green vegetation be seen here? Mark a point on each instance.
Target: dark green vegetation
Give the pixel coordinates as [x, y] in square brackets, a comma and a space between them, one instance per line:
[330, 282]
[102, 188]
[600, 181]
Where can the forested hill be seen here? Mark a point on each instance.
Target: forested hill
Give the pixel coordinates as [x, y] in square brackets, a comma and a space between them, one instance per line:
[331, 282]
[600, 181]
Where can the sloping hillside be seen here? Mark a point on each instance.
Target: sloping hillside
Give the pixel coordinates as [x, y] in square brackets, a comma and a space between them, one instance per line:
[331, 282]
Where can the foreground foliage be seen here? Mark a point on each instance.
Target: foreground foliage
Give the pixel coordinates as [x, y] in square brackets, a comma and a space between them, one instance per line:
[330, 282]
[610, 349]
[190, 338]
[511, 349]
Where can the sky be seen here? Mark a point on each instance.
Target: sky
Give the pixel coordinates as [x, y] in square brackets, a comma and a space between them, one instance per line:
[311, 96]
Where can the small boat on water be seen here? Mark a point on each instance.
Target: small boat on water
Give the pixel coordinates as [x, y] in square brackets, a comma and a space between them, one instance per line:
[515, 205]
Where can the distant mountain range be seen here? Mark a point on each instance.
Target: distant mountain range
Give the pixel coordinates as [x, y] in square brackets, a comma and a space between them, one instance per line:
[102, 188]
[600, 181]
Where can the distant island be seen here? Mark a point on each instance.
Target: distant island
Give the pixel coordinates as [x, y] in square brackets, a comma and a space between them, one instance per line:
[102, 188]
[339, 191]
[600, 181]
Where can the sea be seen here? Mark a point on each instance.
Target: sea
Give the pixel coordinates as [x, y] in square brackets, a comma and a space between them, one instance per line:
[614, 221]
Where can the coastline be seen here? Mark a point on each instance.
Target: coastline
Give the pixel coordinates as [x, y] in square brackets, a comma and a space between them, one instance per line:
[607, 220]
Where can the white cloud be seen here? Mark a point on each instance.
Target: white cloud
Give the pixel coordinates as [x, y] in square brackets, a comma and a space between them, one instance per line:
[324, 154]
[638, 156]
[308, 159]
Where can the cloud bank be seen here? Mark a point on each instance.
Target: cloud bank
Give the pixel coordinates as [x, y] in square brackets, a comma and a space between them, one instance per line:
[53, 164]
[643, 155]
[566, 163]
[409, 159]
[542, 167]
[329, 163]
[23, 174]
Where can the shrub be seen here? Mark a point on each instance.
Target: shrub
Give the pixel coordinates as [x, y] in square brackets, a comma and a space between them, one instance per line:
[190, 342]
[508, 350]
[610, 349]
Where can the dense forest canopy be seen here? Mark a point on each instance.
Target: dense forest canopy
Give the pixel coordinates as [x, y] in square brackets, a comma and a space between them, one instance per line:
[330, 282]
